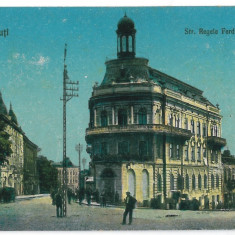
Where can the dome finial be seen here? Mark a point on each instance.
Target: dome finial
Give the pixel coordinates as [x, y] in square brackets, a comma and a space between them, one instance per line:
[125, 14]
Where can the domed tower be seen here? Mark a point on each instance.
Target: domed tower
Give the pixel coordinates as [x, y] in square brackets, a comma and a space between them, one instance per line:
[126, 38]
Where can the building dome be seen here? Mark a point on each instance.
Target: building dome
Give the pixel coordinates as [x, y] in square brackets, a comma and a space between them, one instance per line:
[126, 25]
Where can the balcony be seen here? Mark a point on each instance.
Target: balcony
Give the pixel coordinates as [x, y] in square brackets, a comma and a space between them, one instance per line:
[216, 141]
[121, 158]
[135, 128]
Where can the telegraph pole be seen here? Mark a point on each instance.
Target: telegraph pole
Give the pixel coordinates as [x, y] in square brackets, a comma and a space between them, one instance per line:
[69, 91]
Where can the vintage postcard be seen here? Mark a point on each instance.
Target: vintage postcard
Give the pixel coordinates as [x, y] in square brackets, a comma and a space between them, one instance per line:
[117, 118]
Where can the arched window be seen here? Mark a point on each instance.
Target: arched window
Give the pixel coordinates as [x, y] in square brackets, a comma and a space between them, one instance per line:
[142, 116]
[180, 182]
[104, 121]
[172, 183]
[193, 182]
[187, 181]
[170, 120]
[212, 182]
[205, 181]
[217, 181]
[122, 117]
[159, 183]
[118, 44]
[130, 43]
[145, 184]
[131, 182]
[199, 181]
[124, 44]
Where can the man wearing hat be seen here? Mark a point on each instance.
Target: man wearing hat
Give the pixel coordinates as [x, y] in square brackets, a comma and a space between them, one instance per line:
[130, 205]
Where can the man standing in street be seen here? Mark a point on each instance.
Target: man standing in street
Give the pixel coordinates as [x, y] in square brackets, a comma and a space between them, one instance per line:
[58, 202]
[130, 205]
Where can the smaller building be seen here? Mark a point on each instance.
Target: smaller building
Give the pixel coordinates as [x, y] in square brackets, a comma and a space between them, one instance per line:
[229, 179]
[72, 174]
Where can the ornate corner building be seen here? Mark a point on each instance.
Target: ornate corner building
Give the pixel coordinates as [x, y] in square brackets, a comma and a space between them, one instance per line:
[150, 133]
[20, 172]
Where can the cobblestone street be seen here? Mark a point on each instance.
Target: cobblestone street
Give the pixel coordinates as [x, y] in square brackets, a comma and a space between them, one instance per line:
[38, 214]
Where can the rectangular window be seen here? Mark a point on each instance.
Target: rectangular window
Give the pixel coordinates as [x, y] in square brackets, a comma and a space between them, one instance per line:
[198, 128]
[204, 130]
[186, 153]
[192, 127]
[193, 153]
[186, 123]
[177, 151]
[199, 154]
[171, 151]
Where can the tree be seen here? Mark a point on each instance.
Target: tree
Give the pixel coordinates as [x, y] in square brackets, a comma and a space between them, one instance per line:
[5, 143]
[48, 175]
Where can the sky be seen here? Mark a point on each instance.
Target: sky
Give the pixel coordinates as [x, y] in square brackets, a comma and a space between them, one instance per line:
[31, 62]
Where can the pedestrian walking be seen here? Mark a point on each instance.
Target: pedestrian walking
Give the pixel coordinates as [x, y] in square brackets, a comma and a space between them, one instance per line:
[130, 205]
[88, 196]
[58, 202]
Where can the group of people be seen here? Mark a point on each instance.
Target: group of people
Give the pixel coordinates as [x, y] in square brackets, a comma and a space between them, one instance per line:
[129, 201]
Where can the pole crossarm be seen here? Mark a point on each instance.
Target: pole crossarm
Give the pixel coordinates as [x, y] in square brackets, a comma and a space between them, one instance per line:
[66, 97]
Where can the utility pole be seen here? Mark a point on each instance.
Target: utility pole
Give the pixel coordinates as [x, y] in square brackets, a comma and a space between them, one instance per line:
[78, 148]
[69, 91]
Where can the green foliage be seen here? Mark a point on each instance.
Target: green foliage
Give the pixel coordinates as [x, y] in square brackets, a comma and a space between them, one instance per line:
[48, 175]
[7, 194]
[5, 143]
[230, 185]
[227, 158]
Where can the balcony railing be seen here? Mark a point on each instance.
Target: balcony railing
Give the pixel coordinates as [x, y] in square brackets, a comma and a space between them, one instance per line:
[216, 141]
[135, 128]
[120, 158]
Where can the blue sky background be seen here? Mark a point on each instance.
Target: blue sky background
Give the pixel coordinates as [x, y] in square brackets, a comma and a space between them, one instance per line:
[31, 62]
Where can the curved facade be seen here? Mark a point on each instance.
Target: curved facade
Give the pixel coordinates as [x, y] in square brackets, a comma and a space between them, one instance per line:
[157, 135]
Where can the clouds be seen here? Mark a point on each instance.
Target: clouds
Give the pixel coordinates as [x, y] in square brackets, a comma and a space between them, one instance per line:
[38, 60]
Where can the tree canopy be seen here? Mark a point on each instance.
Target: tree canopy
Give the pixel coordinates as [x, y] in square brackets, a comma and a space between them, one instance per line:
[5, 143]
[48, 175]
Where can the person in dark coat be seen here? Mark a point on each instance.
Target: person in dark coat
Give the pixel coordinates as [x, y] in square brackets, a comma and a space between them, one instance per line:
[58, 202]
[88, 196]
[130, 205]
